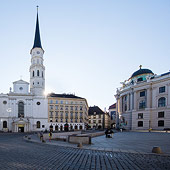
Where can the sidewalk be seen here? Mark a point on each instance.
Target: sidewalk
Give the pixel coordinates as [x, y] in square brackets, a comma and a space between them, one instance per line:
[131, 142]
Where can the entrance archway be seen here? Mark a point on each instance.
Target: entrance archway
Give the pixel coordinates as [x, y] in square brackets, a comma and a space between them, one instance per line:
[20, 127]
[66, 127]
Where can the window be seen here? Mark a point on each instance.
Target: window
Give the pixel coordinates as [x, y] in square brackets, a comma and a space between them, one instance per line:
[51, 107]
[56, 114]
[161, 123]
[142, 104]
[100, 121]
[66, 108]
[38, 124]
[140, 115]
[20, 109]
[51, 114]
[140, 123]
[33, 74]
[162, 89]
[81, 107]
[139, 79]
[38, 103]
[38, 72]
[43, 126]
[4, 102]
[66, 102]
[160, 114]
[61, 107]
[142, 93]
[61, 114]
[125, 107]
[42, 73]
[51, 101]
[37, 61]
[4, 124]
[56, 107]
[162, 102]
[56, 101]
[94, 121]
[61, 102]
[71, 107]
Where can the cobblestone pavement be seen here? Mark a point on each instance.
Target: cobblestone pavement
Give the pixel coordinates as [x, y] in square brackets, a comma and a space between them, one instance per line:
[15, 153]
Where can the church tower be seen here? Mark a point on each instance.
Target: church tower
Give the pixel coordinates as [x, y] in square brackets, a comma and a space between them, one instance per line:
[37, 69]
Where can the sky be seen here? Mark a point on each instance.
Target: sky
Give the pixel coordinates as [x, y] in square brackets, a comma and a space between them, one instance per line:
[90, 45]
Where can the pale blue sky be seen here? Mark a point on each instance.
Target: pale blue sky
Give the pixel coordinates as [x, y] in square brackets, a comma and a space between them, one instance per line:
[90, 45]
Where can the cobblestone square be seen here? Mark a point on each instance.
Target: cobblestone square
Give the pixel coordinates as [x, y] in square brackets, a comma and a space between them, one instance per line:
[16, 153]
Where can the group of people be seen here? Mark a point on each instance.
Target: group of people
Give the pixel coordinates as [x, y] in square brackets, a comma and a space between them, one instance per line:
[109, 133]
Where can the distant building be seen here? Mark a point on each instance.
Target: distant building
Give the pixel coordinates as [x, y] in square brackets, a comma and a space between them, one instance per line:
[67, 112]
[143, 102]
[112, 113]
[98, 119]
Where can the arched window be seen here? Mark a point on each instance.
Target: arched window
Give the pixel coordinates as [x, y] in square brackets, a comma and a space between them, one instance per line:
[161, 123]
[21, 109]
[38, 124]
[38, 72]
[4, 124]
[42, 73]
[33, 74]
[162, 102]
[140, 123]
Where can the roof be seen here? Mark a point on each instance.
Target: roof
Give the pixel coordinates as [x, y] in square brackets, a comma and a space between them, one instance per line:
[37, 39]
[64, 96]
[113, 106]
[164, 74]
[20, 82]
[96, 110]
[141, 71]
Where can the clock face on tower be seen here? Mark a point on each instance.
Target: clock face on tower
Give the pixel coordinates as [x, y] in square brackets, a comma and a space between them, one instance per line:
[38, 52]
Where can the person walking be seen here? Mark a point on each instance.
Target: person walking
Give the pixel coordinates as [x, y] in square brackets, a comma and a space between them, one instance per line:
[50, 136]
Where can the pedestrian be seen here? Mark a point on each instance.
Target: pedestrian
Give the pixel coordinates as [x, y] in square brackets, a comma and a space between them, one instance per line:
[50, 136]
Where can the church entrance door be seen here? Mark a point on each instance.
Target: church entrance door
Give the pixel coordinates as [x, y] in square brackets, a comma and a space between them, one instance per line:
[21, 128]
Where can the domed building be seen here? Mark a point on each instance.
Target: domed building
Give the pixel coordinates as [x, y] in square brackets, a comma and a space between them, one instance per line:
[143, 101]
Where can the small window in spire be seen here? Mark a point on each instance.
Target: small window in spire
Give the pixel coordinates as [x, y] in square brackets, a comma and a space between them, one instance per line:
[42, 73]
[33, 74]
[38, 72]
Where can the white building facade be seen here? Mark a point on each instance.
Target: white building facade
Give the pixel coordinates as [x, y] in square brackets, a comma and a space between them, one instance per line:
[24, 110]
[143, 101]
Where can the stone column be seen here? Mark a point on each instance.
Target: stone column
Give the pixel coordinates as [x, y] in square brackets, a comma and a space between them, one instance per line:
[128, 102]
[135, 100]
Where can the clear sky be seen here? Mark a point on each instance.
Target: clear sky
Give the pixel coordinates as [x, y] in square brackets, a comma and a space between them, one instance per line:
[90, 45]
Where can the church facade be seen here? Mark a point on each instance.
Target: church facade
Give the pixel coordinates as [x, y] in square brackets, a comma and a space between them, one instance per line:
[143, 101]
[24, 109]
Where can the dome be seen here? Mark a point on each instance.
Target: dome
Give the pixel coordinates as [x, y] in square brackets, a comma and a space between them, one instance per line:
[141, 71]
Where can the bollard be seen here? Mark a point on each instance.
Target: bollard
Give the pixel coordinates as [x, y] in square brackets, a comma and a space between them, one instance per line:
[157, 150]
[80, 145]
